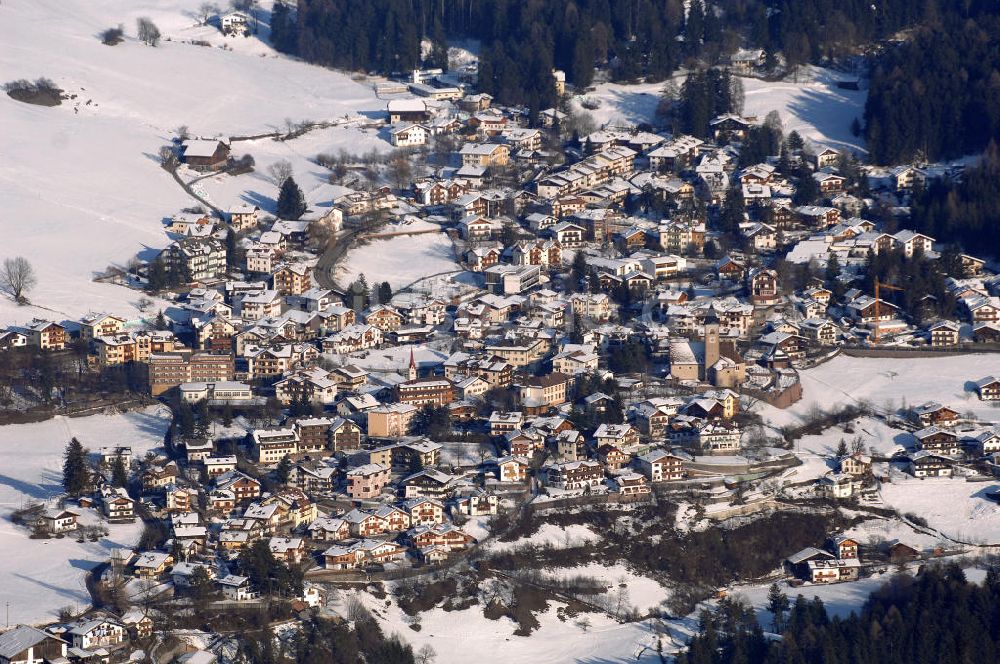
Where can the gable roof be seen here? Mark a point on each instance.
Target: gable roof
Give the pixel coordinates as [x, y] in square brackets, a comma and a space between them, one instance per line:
[21, 638]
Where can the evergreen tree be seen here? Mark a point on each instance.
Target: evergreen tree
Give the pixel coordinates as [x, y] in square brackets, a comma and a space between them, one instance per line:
[576, 336]
[156, 276]
[76, 475]
[232, 250]
[283, 470]
[733, 211]
[184, 420]
[227, 415]
[439, 47]
[291, 202]
[777, 606]
[258, 564]
[578, 271]
[832, 272]
[694, 29]
[202, 588]
[385, 292]
[794, 141]
[119, 476]
[283, 28]
[806, 187]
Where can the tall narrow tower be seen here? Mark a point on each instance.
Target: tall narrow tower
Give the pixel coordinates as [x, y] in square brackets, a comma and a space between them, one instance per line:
[711, 343]
[413, 367]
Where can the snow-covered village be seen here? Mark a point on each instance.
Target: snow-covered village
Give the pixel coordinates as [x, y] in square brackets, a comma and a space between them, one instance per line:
[579, 332]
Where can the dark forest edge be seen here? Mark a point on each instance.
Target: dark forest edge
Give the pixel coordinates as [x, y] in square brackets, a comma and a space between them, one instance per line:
[934, 92]
[936, 617]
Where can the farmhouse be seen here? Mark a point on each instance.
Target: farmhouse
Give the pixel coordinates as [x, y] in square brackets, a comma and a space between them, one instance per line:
[205, 155]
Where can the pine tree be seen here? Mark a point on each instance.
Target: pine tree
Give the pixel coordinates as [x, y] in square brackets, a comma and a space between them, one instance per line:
[119, 476]
[777, 606]
[284, 469]
[794, 141]
[385, 292]
[156, 276]
[576, 336]
[732, 211]
[202, 588]
[76, 476]
[832, 272]
[184, 420]
[578, 272]
[694, 30]
[232, 249]
[291, 202]
[806, 188]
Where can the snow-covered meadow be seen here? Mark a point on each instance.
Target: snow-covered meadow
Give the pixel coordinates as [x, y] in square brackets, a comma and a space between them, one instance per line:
[957, 509]
[399, 260]
[80, 182]
[809, 103]
[40, 576]
[890, 383]
[463, 636]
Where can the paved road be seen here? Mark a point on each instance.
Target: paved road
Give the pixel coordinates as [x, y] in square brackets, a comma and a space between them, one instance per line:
[326, 266]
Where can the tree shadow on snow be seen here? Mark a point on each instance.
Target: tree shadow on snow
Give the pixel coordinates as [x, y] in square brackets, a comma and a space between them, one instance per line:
[33, 491]
[260, 200]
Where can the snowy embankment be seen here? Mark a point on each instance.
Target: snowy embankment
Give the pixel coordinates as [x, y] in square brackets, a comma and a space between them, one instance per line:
[40, 576]
[81, 183]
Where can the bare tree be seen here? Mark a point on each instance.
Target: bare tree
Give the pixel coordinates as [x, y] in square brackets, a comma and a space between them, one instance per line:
[17, 277]
[147, 31]
[400, 170]
[206, 10]
[426, 654]
[280, 171]
[168, 158]
[321, 233]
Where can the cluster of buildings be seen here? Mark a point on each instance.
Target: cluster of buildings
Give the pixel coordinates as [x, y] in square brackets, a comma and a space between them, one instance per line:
[604, 348]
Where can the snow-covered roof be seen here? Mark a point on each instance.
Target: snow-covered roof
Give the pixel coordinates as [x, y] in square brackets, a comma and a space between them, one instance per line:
[198, 147]
[407, 106]
[19, 639]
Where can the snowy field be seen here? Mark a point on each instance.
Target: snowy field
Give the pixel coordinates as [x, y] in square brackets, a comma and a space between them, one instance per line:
[840, 599]
[813, 106]
[41, 576]
[621, 104]
[466, 636]
[810, 104]
[399, 260]
[817, 452]
[80, 182]
[890, 384]
[257, 188]
[957, 509]
[640, 592]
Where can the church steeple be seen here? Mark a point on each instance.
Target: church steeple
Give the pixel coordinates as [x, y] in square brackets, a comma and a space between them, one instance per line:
[413, 367]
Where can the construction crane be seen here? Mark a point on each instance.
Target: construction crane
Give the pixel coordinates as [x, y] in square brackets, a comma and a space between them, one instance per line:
[878, 305]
